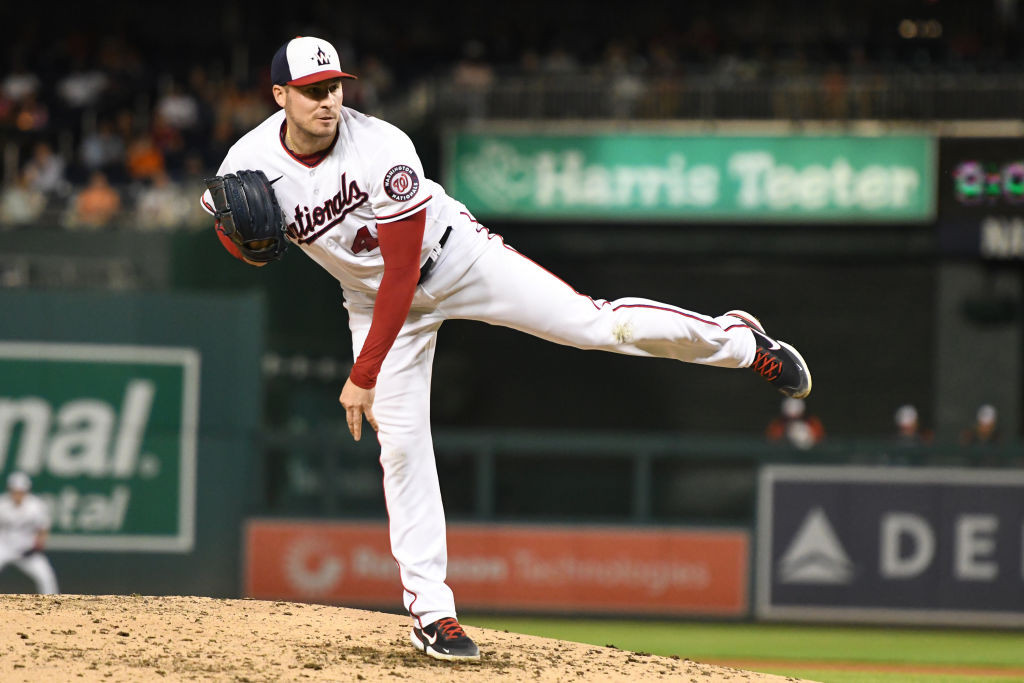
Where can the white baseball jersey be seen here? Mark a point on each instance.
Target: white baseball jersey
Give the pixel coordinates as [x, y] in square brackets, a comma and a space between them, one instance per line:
[372, 175]
[19, 524]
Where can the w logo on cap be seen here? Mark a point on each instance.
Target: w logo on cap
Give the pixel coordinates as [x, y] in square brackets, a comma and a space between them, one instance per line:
[304, 60]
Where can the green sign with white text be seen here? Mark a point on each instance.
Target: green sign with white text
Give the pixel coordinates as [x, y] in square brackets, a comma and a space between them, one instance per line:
[108, 435]
[642, 176]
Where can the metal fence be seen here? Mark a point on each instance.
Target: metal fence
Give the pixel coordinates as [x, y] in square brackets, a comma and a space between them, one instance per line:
[895, 97]
[608, 477]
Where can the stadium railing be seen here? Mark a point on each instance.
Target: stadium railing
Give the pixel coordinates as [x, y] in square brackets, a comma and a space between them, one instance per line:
[888, 96]
[592, 476]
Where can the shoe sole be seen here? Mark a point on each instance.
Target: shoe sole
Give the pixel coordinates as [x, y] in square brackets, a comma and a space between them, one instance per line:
[803, 364]
[751, 321]
[430, 652]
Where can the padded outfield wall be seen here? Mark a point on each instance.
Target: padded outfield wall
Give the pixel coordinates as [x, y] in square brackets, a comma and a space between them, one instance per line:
[135, 415]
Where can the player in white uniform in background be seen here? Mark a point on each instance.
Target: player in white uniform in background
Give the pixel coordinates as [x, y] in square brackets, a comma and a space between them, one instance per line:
[408, 257]
[24, 526]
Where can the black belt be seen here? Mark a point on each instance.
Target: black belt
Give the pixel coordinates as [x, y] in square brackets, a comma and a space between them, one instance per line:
[435, 253]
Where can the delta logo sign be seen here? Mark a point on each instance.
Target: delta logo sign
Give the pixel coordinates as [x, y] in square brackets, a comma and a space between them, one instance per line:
[891, 544]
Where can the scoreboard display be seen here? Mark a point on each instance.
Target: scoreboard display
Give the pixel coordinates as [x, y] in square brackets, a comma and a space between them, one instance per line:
[981, 197]
[978, 182]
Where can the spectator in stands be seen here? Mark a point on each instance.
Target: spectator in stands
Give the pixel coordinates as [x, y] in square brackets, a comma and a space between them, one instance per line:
[664, 81]
[45, 171]
[170, 141]
[834, 87]
[559, 61]
[622, 67]
[103, 150]
[473, 77]
[144, 158]
[19, 84]
[908, 427]
[31, 115]
[96, 205]
[794, 426]
[124, 124]
[20, 204]
[206, 93]
[160, 205]
[245, 108]
[176, 116]
[178, 108]
[985, 429]
[82, 87]
[17, 88]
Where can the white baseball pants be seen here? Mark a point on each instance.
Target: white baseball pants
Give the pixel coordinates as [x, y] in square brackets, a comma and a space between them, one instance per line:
[35, 566]
[478, 277]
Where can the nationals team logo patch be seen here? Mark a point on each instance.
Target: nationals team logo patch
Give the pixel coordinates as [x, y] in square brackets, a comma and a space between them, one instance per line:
[401, 183]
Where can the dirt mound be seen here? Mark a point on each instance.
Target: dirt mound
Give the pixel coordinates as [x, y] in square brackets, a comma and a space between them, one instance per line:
[138, 638]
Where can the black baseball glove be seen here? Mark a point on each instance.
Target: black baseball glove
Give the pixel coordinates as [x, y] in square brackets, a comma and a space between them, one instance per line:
[247, 212]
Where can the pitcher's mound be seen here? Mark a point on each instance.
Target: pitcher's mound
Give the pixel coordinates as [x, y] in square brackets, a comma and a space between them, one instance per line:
[138, 638]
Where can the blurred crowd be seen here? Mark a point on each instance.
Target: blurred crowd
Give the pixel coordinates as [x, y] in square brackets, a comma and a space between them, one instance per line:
[102, 125]
[796, 426]
[106, 142]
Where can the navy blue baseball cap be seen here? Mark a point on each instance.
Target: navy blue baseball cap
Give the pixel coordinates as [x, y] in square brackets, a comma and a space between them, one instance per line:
[304, 60]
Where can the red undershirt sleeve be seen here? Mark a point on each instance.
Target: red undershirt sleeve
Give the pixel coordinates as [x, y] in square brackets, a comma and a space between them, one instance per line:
[400, 245]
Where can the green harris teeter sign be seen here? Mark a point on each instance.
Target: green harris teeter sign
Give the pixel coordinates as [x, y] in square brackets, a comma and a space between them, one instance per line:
[638, 176]
[108, 435]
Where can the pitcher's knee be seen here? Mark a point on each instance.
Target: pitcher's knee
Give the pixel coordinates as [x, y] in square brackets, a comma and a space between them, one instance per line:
[397, 453]
[605, 328]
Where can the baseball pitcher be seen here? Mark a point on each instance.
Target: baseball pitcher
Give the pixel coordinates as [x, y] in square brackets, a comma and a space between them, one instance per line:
[349, 191]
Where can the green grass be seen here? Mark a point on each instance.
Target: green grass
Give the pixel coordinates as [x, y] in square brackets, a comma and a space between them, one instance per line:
[828, 676]
[814, 644]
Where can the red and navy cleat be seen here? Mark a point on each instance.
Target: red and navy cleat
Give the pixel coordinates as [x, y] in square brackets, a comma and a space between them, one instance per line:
[776, 361]
[445, 639]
